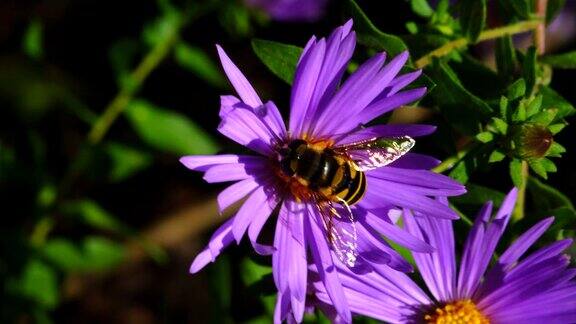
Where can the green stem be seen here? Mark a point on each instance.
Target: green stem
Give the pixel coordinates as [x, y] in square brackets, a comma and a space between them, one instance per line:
[447, 48]
[449, 162]
[518, 212]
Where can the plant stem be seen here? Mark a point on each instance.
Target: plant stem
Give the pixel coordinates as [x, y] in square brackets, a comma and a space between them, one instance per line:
[540, 32]
[518, 212]
[449, 162]
[447, 48]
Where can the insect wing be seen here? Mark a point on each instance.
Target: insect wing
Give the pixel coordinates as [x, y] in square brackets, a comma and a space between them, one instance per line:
[338, 222]
[377, 152]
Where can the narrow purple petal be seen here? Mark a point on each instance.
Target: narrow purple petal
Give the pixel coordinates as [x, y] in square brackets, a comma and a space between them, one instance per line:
[238, 80]
[326, 269]
[257, 204]
[387, 104]
[441, 184]
[244, 169]
[219, 240]
[236, 192]
[415, 161]
[227, 103]
[261, 213]
[399, 83]
[203, 162]
[524, 242]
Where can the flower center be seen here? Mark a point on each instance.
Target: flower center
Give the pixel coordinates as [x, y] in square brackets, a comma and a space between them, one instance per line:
[458, 312]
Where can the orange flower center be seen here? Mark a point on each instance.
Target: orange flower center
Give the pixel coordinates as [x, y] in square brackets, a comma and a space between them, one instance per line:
[458, 312]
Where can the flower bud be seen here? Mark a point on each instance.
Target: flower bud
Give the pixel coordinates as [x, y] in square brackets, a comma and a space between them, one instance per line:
[530, 140]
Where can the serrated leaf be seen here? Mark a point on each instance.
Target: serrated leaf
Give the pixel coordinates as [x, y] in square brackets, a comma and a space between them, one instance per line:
[125, 161]
[506, 60]
[371, 36]
[201, 65]
[421, 8]
[472, 18]
[538, 168]
[168, 131]
[529, 69]
[552, 100]
[496, 156]
[561, 61]
[280, 59]
[516, 172]
[516, 90]
[63, 254]
[462, 109]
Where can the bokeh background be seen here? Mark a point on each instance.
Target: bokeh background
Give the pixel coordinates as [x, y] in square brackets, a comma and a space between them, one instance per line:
[104, 230]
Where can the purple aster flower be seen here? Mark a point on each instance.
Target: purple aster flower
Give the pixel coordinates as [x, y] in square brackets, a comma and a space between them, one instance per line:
[538, 288]
[325, 118]
[291, 10]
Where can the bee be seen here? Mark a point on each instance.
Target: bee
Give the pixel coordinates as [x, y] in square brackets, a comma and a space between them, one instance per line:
[333, 177]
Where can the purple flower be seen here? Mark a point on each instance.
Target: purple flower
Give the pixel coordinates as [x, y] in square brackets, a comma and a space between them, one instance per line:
[291, 10]
[325, 114]
[538, 288]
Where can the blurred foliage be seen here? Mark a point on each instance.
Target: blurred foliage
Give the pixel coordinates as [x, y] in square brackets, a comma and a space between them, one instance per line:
[85, 144]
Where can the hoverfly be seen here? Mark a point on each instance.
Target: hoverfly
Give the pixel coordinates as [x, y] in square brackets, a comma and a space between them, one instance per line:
[333, 177]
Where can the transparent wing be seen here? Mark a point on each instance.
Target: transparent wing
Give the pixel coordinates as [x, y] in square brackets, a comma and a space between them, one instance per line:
[376, 152]
[338, 222]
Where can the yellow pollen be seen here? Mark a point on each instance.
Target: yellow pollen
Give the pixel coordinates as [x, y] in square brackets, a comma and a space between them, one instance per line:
[458, 312]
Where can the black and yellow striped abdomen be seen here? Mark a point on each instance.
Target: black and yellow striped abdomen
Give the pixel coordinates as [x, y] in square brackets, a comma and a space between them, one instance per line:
[322, 171]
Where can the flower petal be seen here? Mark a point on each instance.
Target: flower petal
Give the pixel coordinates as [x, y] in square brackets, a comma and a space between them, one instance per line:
[387, 104]
[244, 169]
[257, 204]
[415, 161]
[243, 126]
[219, 240]
[204, 162]
[238, 80]
[236, 192]
[390, 130]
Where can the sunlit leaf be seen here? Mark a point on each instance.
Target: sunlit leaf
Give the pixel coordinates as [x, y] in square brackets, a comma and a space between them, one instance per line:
[168, 131]
[64, 254]
[280, 58]
[101, 253]
[516, 172]
[39, 282]
[421, 8]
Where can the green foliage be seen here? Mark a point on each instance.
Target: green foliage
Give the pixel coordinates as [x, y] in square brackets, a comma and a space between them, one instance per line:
[125, 161]
[39, 283]
[561, 61]
[32, 44]
[472, 17]
[168, 131]
[421, 8]
[280, 58]
[198, 62]
[371, 36]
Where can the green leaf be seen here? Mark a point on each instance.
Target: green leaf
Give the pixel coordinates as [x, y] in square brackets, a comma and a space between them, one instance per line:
[496, 156]
[548, 165]
[538, 168]
[39, 283]
[485, 137]
[63, 254]
[561, 61]
[546, 197]
[101, 253]
[281, 59]
[125, 161]
[168, 131]
[555, 150]
[462, 109]
[253, 272]
[421, 8]
[472, 18]
[161, 28]
[516, 172]
[506, 60]
[534, 106]
[371, 36]
[196, 61]
[545, 117]
[552, 100]
[32, 43]
[519, 8]
[503, 108]
[90, 213]
[500, 125]
[529, 69]
[516, 90]
[557, 128]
